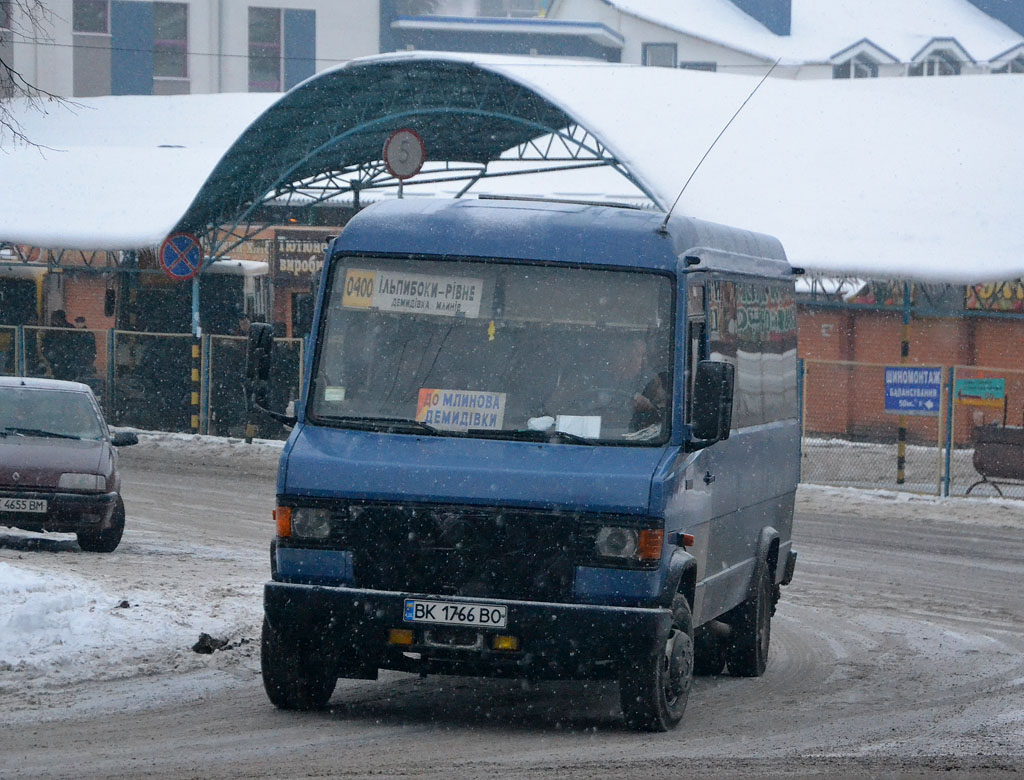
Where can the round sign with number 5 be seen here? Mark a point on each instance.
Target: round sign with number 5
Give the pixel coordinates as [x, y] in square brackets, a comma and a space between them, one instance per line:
[404, 153]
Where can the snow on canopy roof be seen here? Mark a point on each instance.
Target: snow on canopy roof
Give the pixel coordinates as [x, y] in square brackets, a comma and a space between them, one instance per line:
[823, 28]
[114, 172]
[913, 178]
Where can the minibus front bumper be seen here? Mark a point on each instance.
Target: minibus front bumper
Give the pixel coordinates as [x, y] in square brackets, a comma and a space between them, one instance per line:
[357, 629]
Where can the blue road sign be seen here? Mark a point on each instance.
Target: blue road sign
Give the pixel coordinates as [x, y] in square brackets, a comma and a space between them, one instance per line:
[913, 390]
[181, 256]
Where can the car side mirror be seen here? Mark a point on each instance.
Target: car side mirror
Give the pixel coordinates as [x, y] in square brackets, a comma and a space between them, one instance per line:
[124, 439]
[712, 402]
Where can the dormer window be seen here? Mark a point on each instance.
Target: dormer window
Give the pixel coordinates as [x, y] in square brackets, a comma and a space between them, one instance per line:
[943, 58]
[858, 67]
[861, 60]
[1016, 65]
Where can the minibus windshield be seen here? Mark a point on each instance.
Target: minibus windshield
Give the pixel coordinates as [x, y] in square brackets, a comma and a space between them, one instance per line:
[496, 349]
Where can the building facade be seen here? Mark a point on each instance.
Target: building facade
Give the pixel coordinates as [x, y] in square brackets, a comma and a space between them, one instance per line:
[88, 48]
[809, 38]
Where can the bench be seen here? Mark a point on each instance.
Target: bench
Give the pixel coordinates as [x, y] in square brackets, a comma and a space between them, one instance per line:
[998, 455]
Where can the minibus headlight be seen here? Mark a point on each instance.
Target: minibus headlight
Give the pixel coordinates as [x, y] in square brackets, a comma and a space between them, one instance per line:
[616, 542]
[629, 544]
[311, 523]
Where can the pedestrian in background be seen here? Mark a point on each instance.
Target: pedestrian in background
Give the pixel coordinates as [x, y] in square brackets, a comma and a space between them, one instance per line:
[58, 347]
[85, 352]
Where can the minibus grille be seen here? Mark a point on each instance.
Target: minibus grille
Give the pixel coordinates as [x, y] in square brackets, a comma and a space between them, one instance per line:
[460, 551]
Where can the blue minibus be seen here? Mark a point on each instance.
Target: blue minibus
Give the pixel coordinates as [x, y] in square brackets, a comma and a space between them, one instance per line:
[539, 440]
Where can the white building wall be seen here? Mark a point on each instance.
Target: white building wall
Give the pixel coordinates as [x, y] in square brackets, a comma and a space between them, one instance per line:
[47, 63]
[344, 30]
[218, 41]
[638, 32]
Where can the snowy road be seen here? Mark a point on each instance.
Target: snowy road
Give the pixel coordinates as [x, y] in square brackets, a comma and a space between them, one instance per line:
[897, 651]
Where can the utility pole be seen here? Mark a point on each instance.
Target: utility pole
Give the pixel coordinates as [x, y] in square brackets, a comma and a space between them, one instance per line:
[901, 445]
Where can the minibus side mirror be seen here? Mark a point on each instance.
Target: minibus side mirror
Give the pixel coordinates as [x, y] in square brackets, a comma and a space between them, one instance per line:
[258, 353]
[712, 402]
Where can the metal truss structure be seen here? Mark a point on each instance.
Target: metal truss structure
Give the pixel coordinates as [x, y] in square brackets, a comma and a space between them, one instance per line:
[570, 149]
[996, 300]
[14, 256]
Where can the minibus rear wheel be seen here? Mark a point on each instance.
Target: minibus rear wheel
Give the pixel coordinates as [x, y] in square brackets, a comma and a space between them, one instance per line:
[746, 649]
[295, 678]
[654, 689]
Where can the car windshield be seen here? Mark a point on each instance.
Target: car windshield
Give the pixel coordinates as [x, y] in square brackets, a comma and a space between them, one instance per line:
[30, 411]
[496, 349]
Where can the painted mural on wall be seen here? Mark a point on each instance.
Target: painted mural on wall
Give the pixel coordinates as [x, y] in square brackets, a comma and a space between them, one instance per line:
[1000, 296]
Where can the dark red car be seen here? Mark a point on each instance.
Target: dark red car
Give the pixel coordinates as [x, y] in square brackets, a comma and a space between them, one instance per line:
[58, 466]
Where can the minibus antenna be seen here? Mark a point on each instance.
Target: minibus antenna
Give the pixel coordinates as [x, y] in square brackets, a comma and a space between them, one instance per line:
[663, 228]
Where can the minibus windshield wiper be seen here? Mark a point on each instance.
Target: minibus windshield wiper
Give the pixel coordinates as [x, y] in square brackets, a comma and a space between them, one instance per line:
[529, 435]
[386, 424]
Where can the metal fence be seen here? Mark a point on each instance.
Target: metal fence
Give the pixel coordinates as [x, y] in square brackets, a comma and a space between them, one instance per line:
[145, 380]
[151, 380]
[987, 433]
[224, 361]
[9, 353]
[849, 439]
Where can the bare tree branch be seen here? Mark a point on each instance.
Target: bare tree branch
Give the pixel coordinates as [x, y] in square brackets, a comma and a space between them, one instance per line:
[21, 21]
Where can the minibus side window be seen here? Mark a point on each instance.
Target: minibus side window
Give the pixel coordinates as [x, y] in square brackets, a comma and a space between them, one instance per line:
[697, 342]
[752, 324]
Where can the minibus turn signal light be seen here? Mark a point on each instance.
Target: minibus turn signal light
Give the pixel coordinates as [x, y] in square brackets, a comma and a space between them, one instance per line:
[648, 546]
[283, 518]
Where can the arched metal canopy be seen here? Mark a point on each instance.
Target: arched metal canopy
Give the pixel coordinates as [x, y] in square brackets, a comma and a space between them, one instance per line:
[875, 178]
[324, 139]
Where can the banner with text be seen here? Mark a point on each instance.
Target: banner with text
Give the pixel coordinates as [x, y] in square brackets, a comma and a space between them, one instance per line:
[461, 410]
[447, 296]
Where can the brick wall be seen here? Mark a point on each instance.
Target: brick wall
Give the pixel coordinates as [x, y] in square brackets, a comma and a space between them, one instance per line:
[848, 400]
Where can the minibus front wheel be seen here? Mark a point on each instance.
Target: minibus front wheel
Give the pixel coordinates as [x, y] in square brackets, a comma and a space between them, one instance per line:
[294, 677]
[654, 689]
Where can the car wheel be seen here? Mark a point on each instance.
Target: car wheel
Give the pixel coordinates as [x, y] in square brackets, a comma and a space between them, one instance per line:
[746, 648]
[105, 540]
[654, 690]
[295, 678]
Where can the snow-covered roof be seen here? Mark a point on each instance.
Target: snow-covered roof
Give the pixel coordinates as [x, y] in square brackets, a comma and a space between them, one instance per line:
[823, 28]
[114, 172]
[910, 178]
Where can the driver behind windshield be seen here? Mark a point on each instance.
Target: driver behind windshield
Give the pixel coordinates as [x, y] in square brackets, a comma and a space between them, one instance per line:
[622, 389]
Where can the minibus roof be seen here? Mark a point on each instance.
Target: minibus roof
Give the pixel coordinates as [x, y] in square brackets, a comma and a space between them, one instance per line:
[556, 231]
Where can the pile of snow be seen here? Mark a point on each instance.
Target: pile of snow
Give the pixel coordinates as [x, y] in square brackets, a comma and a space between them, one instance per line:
[914, 507]
[53, 623]
[210, 445]
[56, 628]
